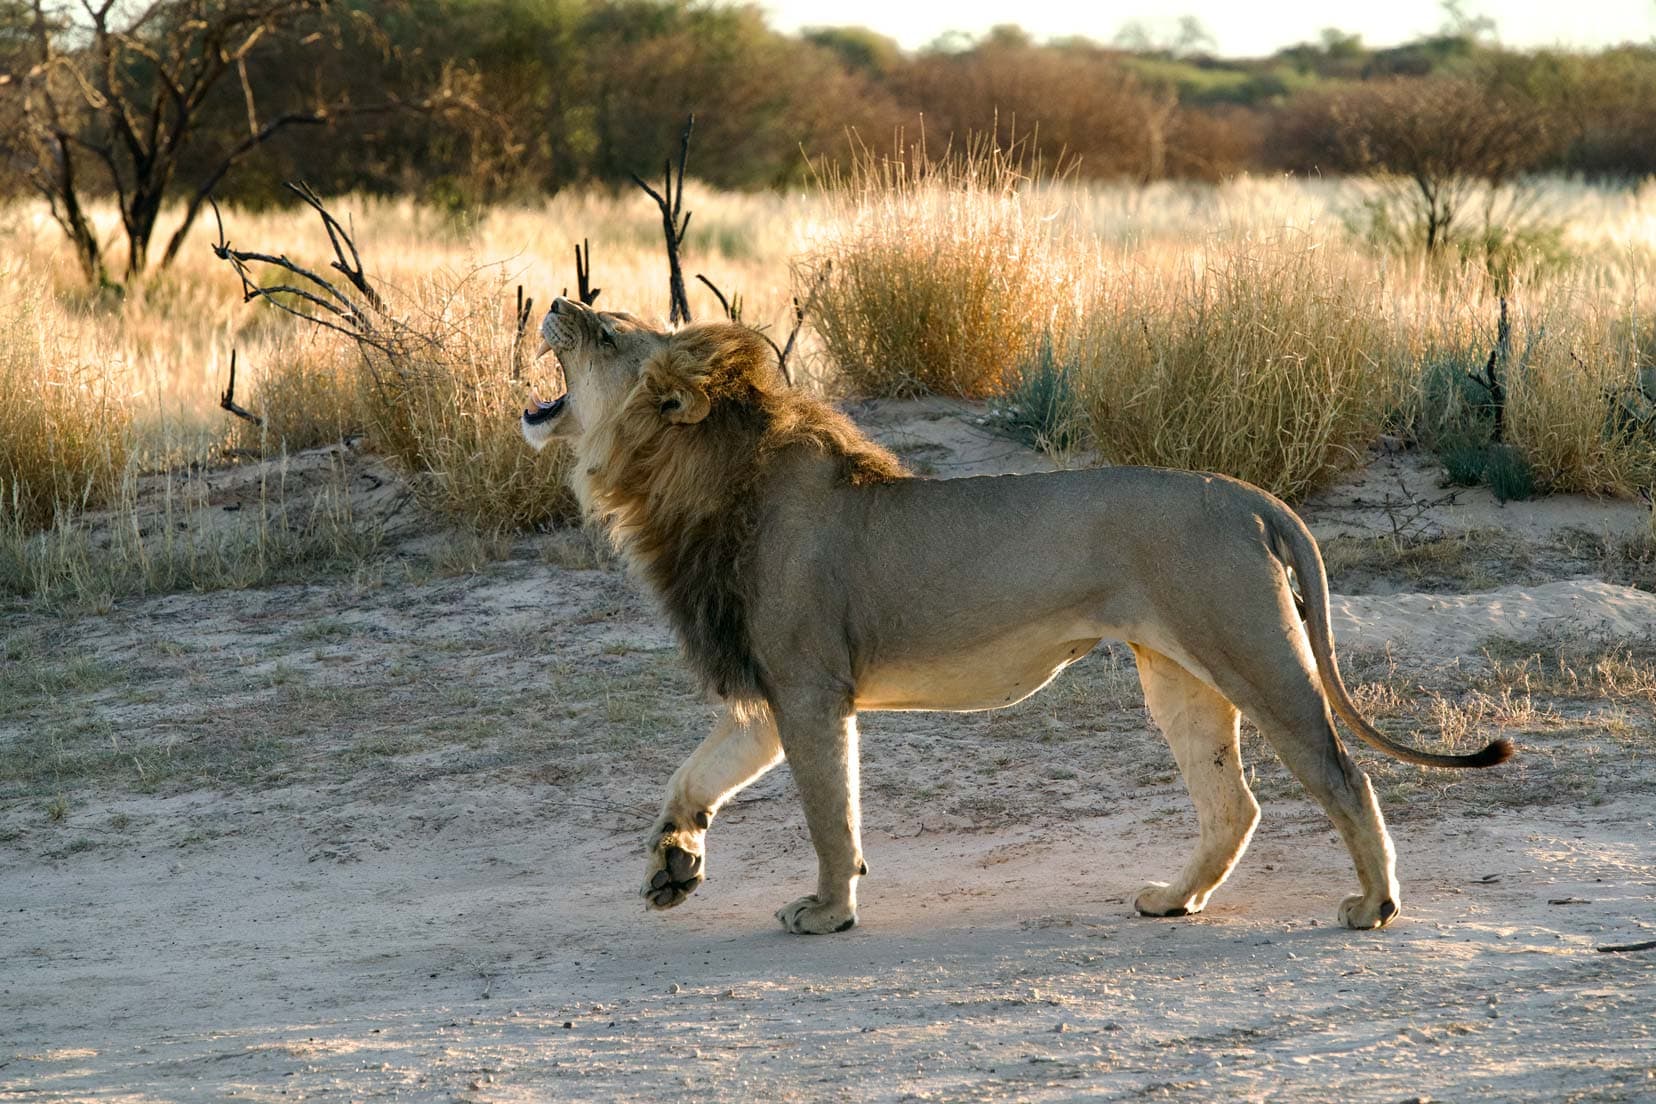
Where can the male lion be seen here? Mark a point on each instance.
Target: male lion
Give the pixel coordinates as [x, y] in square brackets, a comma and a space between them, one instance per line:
[809, 578]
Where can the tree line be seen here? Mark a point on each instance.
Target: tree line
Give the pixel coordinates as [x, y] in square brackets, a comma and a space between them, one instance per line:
[466, 102]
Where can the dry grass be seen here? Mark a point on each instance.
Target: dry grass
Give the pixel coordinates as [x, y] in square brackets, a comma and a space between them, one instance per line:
[163, 533]
[63, 424]
[1582, 360]
[1275, 360]
[1233, 327]
[939, 276]
[443, 405]
[307, 391]
[1579, 708]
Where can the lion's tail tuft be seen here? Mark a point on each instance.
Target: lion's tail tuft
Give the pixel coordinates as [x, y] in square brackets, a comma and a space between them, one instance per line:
[1295, 547]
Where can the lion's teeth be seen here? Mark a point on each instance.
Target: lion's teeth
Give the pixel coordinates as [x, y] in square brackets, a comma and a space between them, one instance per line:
[545, 347]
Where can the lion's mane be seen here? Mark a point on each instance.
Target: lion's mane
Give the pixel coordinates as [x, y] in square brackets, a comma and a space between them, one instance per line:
[681, 471]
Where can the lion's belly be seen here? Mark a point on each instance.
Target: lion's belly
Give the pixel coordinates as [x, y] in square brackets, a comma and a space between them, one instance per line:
[989, 675]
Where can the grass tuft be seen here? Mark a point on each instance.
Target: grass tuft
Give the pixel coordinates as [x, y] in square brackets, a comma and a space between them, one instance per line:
[1272, 360]
[938, 275]
[445, 408]
[63, 426]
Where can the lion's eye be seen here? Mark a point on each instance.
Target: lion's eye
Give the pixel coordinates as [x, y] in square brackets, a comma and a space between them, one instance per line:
[606, 336]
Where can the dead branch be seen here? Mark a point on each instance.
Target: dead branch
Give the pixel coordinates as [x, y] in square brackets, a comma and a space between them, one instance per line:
[342, 243]
[323, 296]
[732, 307]
[583, 274]
[227, 400]
[673, 224]
[525, 308]
[800, 311]
[1490, 381]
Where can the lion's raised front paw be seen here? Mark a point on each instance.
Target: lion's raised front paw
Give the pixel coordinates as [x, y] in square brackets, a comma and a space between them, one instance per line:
[808, 916]
[1361, 914]
[1158, 899]
[675, 866]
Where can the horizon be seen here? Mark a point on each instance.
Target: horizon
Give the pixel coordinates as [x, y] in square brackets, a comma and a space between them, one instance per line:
[1234, 31]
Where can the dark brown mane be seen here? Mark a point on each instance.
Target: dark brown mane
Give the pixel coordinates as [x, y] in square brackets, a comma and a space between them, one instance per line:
[682, 474]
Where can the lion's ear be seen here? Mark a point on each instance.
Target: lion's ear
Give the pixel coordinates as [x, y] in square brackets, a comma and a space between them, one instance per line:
[685, 404]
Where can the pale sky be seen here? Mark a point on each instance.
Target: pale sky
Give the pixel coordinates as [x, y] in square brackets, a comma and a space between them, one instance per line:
[1242, 28]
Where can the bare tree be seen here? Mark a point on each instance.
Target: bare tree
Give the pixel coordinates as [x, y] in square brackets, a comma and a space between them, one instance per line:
[109, 96]
[1455, 142]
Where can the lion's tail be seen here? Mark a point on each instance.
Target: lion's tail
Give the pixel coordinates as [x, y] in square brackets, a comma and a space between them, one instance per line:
[1296, 547]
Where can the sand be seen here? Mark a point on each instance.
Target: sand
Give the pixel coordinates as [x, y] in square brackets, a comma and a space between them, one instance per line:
[414, 877]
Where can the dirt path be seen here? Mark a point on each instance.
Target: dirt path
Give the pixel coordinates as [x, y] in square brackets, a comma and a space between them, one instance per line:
[376, 839]
[501, 955]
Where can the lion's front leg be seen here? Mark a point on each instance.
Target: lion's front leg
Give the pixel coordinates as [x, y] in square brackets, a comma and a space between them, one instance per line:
[1201, 726]
[820, 741]
[735, 754]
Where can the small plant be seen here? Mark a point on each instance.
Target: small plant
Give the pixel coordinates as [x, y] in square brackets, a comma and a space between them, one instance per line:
[1041, 408]
[1508, 473]
[1464, 415]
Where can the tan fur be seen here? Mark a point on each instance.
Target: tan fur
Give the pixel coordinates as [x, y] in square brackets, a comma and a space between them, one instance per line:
[809, 579]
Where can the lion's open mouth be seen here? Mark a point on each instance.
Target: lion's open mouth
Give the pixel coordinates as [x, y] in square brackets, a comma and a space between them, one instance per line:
[542, 412]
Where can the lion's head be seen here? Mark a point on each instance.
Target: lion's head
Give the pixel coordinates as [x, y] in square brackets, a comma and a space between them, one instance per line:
[600, 352]
[678, 438]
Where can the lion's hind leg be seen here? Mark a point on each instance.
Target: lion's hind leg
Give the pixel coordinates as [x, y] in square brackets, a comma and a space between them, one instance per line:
[737, 752]
[1278, 686]
[1202, 727]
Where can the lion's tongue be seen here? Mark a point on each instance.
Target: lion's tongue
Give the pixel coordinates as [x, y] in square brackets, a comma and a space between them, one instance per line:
[541, 411]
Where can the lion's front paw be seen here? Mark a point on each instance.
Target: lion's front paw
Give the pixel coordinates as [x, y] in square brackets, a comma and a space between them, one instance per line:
[675, 866]
[1362, 914]
[808, 916]
[1159, 899]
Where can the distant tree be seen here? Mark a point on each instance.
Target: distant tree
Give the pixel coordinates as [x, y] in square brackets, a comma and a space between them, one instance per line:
[1077, 102]
[858, 48]
[1458, 24]
[107, 97]
[1192, 37]
[1188, 37]
[1451, 140]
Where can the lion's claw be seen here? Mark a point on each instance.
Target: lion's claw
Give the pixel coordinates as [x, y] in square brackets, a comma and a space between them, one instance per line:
[808, 916]
[1157, 899]
[1361, 914]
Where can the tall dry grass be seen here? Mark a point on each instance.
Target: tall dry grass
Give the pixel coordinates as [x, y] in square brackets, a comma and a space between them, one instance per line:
[1582, 408]
[1236, 327]
[444, 407]
[1273, 359]
[63, 419]
[938, 275]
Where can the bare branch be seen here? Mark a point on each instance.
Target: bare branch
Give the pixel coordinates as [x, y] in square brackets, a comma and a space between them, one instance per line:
[800, 311]
[732, 307]
[673, 226]
[342, 243]
[353, 322]
[525, 310]
[228, 400]
[583, 274]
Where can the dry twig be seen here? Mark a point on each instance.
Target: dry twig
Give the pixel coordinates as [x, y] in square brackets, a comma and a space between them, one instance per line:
[673, 224]
[228, 400]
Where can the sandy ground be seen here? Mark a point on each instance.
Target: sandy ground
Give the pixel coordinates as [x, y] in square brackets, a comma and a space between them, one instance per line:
[369, 839]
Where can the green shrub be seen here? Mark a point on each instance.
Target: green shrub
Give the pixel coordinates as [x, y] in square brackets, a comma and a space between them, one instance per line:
[1041, 408]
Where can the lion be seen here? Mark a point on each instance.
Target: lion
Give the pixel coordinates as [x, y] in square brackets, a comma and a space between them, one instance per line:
[810, 578]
